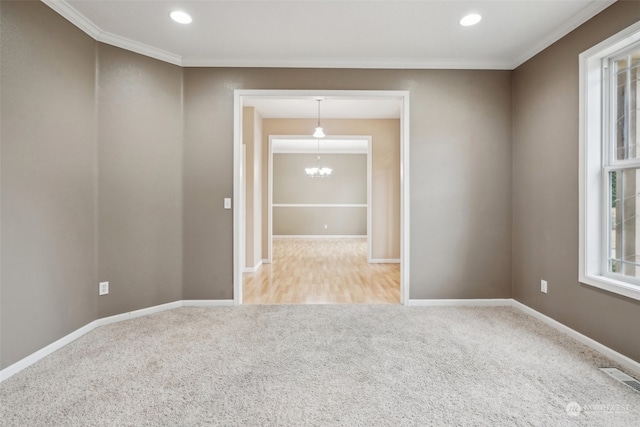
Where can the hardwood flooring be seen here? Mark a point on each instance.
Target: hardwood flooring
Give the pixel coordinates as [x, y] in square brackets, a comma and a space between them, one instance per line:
[321, 271]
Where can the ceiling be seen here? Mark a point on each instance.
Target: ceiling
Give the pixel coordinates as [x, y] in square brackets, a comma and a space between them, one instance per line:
[332, 34]
[331, 107]
[327, 145]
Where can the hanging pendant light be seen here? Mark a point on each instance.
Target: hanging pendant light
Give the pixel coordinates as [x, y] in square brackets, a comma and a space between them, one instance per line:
[319, 132]
[318, 171]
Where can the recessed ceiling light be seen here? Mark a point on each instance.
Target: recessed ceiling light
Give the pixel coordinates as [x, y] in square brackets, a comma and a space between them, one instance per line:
[471, 19]
[181, 17]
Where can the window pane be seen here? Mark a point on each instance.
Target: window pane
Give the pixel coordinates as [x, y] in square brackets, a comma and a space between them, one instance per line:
[633, 109]
[624, 242]
[620, 114]
[625, 105]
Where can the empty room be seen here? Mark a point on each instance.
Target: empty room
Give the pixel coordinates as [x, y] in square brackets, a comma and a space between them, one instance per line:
[319, 213]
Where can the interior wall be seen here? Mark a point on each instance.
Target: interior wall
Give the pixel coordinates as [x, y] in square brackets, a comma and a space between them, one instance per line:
[248, 139]
[252, 139]
[140, 180]
[346, 185]
[545, 190]
[48, 177]
[257, 189]
[385, 171]
[304, 221]
[460, 172]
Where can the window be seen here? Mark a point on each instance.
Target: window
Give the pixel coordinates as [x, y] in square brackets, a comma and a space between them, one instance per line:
[622, 164]
[610, 164]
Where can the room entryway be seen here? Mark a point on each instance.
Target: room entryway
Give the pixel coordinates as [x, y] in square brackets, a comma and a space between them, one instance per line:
[323, 268]
[322, 271]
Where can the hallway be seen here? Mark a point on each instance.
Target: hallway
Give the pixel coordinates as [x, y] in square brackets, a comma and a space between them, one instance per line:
[322, 271]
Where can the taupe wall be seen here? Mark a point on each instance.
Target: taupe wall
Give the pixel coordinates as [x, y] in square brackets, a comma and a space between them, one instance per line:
[461, 180]
[545, 190]
[140, 180]
[91, 179]
[460, 173]
[385, 171]
[310, 221]
[346, 185]
[258, 149]
[248, 140]
[48, 179]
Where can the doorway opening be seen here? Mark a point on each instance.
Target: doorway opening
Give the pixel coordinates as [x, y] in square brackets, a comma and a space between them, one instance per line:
[300, 200]
[360, 100]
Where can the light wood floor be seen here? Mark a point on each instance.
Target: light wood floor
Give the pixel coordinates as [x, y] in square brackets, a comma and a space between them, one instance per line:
[319, 271]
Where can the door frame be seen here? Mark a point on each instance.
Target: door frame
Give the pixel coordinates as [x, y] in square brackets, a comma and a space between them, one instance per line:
[239, 245]
[368, 153]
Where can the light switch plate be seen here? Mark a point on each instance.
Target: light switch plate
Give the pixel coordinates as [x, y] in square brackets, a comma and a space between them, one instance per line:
[103, 288]
[227, 202]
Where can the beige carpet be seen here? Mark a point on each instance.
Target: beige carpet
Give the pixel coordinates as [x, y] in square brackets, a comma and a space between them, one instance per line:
[324, 365]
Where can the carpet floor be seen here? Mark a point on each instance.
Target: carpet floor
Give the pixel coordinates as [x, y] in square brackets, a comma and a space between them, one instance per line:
[321, 365]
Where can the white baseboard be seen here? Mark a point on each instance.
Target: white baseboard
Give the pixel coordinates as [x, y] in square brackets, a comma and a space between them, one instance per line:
[207, 303]
[501, 302]
[253, 269]
[45, 351]
[384, 261]
[136, 313]
[621, 359]
[610, 353]
[56, 345]
[319, 236]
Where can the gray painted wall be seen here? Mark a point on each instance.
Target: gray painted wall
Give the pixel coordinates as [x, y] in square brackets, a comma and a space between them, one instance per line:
[48, 179]
[545, 190]
[346, 185]
[460, 173]
[139, 180]
[91, 179]
[252, 140]
[385, 171]
[350, 221]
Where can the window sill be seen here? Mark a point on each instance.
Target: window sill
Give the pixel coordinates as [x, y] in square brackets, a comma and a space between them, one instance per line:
[612, 285]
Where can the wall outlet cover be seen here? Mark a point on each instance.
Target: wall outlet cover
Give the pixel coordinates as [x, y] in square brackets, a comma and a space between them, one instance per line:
[103, 288]
[543, 286]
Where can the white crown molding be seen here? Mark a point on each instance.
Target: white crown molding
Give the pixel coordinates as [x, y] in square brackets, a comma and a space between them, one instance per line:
[72, 15]
[76, 18]
[362, 63]
[141, 48]
[80, 21]
[591, 10]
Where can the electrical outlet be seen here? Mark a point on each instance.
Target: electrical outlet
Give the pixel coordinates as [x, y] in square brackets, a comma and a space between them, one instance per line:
[326, 226]
[103, 289]
[543, 286]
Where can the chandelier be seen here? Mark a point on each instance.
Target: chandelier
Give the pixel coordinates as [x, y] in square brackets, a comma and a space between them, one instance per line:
[319, 133]
[318, 171]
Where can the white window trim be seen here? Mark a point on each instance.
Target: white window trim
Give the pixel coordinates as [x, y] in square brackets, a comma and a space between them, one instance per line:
[591, 190]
